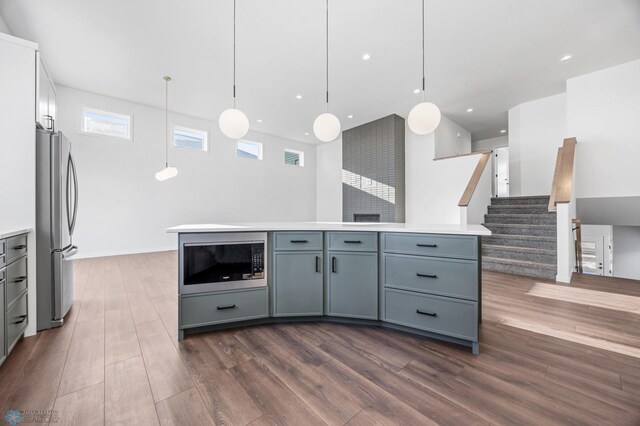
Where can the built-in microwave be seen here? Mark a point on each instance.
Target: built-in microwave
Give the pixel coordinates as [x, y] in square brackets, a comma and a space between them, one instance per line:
[224, 261]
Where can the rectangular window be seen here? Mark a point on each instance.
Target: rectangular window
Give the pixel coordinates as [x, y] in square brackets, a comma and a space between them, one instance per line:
[249, 149]
[294, 158]
[189, 138]
[104, 123]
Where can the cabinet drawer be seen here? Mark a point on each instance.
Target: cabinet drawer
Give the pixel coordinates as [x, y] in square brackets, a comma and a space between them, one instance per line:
[456, 246]
[221, 307]
[297, 241]
[3, 246]
[453, 317]
[445, 277]
[16, 320]
[16, 280]
[16, 247]
[3, 260]
[352, 241]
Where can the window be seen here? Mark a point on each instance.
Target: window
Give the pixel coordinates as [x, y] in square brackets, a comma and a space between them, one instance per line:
[104, 123]
[294, 158]
[249, 149]
[189, 138]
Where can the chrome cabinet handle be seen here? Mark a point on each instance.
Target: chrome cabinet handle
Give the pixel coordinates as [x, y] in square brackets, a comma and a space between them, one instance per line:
[20, 247]
[20, 279]
[23, 318]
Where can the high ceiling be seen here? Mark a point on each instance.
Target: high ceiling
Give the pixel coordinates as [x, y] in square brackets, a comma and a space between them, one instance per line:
[489, 55]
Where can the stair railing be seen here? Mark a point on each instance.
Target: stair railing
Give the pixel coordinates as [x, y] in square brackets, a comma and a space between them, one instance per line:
[560, 203]
[577, 229]
[563, 175]
[475, 178]
[471, 186]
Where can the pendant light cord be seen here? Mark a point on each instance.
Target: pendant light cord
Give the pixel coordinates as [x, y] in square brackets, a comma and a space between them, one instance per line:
[423, 79]
[166, 120]
[327, 41]
[234, 54]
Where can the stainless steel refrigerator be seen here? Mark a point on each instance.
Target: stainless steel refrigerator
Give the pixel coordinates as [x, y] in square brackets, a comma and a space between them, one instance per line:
[56, 211]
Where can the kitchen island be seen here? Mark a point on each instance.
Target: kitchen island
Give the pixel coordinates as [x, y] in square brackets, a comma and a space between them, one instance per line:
[418, 278]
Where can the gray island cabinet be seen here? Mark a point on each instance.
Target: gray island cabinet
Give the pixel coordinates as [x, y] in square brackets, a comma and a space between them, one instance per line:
[390, 275]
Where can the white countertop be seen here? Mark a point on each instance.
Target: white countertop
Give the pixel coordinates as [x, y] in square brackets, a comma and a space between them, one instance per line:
[332, 226]
[13, 232]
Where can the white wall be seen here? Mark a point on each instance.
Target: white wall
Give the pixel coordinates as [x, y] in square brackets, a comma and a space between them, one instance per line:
[123, 209]
[3, 26]
[603, 113]
[626, 252]
[17, 149]
[536, 131]
[451, 139]
[329, 181]
[489, 144]
[434, 188]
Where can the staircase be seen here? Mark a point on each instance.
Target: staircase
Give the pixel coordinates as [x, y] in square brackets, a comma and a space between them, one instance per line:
[524, 237]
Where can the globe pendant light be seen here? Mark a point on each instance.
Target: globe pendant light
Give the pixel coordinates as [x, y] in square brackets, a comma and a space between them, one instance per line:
[424, 117]
[233, 122]
[326, 126]
[168, 172]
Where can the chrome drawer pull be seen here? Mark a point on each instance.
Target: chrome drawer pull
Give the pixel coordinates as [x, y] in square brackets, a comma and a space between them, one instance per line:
[426, 275]
[20, 279]
[299, 241]
[430, 314]
[20, 247]
[427, 245]
[23, 318]
[224, 308]
[352, 242]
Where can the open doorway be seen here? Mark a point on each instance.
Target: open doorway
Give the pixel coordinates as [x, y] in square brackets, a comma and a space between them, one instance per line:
[501, 172]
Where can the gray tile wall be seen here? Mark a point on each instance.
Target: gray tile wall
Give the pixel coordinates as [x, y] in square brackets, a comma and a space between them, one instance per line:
[373, 170]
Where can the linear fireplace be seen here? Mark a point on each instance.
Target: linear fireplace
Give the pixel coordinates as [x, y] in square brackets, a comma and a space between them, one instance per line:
[366, 217]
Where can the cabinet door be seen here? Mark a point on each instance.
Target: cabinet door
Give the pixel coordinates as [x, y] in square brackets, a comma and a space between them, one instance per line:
[298, 283]
[353, 285]
[3, 349]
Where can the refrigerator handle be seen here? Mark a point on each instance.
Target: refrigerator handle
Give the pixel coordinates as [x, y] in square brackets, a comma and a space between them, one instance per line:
[72, 219]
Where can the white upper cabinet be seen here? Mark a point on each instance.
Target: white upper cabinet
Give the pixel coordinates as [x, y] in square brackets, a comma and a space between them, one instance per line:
[45, 97]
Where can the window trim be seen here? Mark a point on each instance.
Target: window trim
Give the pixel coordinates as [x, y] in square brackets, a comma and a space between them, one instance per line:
[260, 144]
[128, 117]
[294, 151]
[204, 133]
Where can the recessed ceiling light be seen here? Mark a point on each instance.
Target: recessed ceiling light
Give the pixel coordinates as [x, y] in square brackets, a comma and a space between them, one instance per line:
[469, 109]
[350, 116]
[503, 131]
[565, 58]
[298, 96]
[259, 120]
[416, 91]
[306, 133]
[366, 57]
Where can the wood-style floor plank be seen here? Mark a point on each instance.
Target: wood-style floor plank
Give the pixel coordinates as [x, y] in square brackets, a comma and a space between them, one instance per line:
[165, 369]
[81, 408]
[128, 398]
[185, 408]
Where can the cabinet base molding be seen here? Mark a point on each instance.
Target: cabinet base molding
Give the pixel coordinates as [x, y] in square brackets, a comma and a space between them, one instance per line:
[475, 347]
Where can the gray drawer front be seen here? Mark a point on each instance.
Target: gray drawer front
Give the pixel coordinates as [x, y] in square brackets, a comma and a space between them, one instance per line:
[453, 317]
[221, 307]
[16, 280]
[3, 247]
[445, 277]
[16, 320]
[352, 241]
[3, 275]
[16, 247]
[3, 260]
[297, 241]
[463, 247]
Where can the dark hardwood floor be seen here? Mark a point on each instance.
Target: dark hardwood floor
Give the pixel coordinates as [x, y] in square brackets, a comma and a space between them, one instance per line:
[550, 355]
